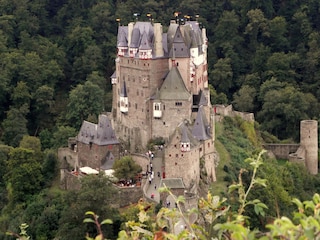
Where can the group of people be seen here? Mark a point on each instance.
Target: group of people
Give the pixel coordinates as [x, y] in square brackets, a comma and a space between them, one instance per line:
[150, 154]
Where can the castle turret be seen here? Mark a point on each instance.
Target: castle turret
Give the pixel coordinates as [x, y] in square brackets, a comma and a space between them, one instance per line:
[309, 140]
[185, 140]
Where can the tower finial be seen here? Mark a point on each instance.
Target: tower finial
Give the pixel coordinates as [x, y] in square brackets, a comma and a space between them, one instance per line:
[118, 20]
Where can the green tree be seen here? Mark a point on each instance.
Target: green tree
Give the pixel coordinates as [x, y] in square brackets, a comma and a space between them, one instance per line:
[78, 202]
[126, 168]
[222, 75]
[84, 100]
[14, 127]
[257, 28]
[32, 143]
[282, 111]
[283, 67]
[311, 64]
[21, 97]
[61, 136]
[46, 139]
[278, 34]
[217, 98]
[50, 166]
[23, 174]
[244, 99]
[43, 102]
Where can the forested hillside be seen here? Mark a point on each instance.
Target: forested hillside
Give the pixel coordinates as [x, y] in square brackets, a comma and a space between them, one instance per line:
[56, 57]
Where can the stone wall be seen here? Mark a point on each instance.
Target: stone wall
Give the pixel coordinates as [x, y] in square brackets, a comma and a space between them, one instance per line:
[281, 151]
[125, 196]
[222, 110]
[67, 158]
[92, 155]
[142, 160]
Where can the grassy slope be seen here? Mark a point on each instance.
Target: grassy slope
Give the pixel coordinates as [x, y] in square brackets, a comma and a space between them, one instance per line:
[237, 137]
[220, 185]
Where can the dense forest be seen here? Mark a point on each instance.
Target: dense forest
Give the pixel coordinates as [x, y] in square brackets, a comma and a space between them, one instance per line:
[56, 57]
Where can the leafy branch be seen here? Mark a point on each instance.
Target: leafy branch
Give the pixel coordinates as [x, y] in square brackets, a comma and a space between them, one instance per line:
[94, 219]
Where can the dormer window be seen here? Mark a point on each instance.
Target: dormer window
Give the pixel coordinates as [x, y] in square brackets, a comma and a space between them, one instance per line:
[185, 147]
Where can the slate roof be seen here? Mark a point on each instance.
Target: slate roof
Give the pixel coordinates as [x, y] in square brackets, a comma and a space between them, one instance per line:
[200, 99]
[122, 40]
[186, 135]
[179, 49]
[135, 38]
[108, 161]
[100, 134]
[145, 42]
[201, 128]
[142, 35]
[114, 75]
[173, 87]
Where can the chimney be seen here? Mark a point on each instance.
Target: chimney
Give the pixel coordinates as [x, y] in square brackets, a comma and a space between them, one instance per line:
[130, 28]
[158, 40]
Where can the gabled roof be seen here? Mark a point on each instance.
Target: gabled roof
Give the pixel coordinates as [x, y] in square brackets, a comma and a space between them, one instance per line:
[108, 161]
[200, 99]
[145, 43]
[123, 92]
[201, 128]
[135, 38]
[114, 75]
[100, 134]
[142, 31]
[184, 134]
[192, 34]
[179, 49]
[173, 87]
[122, 40]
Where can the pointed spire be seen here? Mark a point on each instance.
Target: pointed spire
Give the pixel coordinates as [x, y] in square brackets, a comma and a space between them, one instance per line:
[201, 129]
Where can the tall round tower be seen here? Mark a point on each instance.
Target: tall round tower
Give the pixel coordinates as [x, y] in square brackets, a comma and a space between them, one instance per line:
[309, 140]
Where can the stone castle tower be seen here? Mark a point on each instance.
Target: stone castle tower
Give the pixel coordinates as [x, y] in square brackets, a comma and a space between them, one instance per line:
[160, 90]
[309, 141]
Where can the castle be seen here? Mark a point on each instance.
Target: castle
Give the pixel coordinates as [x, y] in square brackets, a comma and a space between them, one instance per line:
[160, 90]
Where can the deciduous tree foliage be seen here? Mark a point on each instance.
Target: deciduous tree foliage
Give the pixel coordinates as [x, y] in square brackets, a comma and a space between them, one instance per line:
[125, 168]
[23, 174]
[96, 194]
[84, 100]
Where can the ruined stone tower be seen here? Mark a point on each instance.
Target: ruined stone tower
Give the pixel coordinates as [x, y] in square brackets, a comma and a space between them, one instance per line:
[309, 141]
